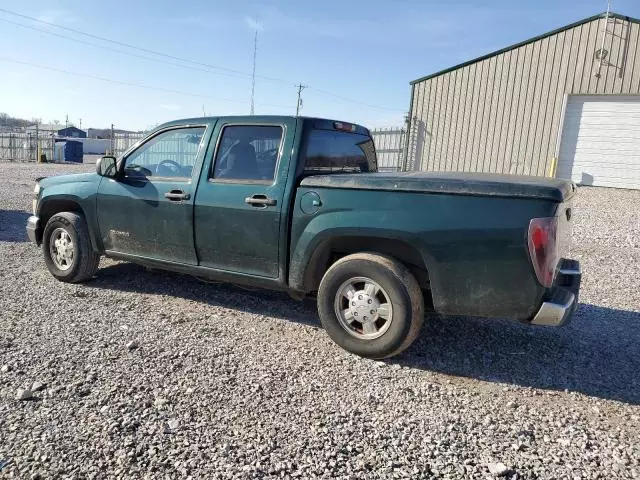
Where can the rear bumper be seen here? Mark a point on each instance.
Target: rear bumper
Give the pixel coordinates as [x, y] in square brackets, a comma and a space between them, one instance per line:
[33, 230]
[562, 300]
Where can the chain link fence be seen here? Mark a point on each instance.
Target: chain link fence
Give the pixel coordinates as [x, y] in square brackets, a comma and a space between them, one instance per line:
[122, 141]
[25, 147]
[390, 148]
[14, 146]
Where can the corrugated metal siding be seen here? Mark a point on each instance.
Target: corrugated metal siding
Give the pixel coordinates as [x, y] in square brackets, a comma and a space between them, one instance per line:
[503, 113]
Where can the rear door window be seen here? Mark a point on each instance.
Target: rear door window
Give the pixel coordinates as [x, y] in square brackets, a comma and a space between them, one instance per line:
[248, 153]
[332, 151]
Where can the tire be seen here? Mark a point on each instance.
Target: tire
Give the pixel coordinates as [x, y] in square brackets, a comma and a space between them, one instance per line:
[378, 337]
[79, 262]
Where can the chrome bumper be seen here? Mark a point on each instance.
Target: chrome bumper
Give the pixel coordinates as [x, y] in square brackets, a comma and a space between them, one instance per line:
[33, 229]
[563, 300]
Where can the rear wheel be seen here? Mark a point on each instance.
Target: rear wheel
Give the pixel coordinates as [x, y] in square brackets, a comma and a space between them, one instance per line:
[67, 248]
[371, 305]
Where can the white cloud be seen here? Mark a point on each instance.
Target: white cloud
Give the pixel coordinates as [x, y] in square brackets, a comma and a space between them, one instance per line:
[254, 24]
[56, 16]
[335, 28]
[190, 21]
[172, 107]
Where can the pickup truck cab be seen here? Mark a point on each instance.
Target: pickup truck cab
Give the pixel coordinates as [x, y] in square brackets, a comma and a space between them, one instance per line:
[296, 204]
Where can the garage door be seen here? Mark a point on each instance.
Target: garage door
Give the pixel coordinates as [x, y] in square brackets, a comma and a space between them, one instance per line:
[600, 142]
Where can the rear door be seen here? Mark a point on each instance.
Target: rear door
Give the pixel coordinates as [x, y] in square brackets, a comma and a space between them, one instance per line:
[239, 205]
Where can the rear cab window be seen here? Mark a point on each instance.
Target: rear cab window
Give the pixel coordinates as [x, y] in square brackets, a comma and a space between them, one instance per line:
[329, 151]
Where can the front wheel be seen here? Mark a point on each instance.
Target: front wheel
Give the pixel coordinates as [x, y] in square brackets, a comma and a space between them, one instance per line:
[370, 305]
[67, 248]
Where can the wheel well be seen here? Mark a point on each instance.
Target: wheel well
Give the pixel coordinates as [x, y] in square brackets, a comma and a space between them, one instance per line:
[48, 209]
[336, 248]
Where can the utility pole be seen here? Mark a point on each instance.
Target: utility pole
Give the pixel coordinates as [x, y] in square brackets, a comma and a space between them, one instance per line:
[113, 141]
[38, 159]
[80, 124]
[299, 104]
[66, 121]
[253, 75]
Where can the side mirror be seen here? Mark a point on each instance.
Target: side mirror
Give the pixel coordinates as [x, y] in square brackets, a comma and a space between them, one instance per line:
[107, 166]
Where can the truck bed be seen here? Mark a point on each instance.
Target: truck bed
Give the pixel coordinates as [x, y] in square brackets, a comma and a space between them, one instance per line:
[491, 185]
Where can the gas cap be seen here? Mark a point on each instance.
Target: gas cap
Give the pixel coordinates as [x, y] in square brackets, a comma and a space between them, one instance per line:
[310, 203]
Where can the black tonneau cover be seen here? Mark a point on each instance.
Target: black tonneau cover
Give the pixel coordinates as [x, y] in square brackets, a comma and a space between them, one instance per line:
[450, 182]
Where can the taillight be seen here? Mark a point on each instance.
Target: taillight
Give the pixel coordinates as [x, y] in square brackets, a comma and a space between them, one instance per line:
[345, 127]
[543, 248]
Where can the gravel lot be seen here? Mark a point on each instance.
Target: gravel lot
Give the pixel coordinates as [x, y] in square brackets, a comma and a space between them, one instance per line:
[144, 374]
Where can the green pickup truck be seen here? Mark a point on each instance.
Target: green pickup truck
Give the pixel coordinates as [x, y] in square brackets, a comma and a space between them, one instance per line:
[296, 204]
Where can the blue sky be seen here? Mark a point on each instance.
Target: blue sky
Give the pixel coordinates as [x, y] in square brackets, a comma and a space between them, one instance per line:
[363, 51]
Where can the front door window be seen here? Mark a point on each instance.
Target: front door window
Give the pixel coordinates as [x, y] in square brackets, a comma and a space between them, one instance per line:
[170, 154]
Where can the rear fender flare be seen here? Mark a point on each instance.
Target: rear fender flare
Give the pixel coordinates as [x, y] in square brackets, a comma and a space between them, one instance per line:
[308, 266]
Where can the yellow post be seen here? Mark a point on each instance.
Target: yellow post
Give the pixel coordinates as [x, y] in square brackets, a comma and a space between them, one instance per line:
[552, 167]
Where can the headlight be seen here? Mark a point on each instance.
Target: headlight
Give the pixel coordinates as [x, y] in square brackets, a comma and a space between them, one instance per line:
[36, 190]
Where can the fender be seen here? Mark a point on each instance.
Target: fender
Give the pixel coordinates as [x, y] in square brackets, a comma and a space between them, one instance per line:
[309, 263]
[56, 198]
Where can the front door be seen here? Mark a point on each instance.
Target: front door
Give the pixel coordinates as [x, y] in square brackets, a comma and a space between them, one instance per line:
[148, 212]
[239, 203]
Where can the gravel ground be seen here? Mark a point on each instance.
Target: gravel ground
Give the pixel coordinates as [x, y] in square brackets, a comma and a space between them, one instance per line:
[144, 374]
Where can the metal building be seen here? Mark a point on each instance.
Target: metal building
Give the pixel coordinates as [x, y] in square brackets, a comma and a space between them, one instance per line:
[565, 104]
[72, 132]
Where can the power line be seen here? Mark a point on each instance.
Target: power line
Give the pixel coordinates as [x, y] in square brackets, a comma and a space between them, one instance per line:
[142, 49]
[355, 102]
[129, 84]
[136, 55]
[172, 57]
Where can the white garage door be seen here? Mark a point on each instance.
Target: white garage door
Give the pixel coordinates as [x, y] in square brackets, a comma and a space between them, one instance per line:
[600, 142]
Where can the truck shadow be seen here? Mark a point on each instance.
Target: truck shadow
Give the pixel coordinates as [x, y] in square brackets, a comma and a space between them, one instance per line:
[12, 226]
[597, 354]
[130, 277]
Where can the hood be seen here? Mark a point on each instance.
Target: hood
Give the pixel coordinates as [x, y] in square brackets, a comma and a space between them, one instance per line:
[62, 179]
[492, 185]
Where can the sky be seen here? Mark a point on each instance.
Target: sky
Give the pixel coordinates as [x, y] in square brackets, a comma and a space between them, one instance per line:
[355, 57]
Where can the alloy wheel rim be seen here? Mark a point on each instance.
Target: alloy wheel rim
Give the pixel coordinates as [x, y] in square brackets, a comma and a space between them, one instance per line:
[61, 249]
[363, 308]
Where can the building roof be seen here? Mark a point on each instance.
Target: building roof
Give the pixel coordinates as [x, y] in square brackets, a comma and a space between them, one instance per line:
[531, 40]
[71, 127]
[46, 127]
[52, 127]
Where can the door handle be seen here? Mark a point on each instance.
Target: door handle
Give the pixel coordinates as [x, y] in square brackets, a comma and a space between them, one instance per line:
[260, 201]
[177, 195]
